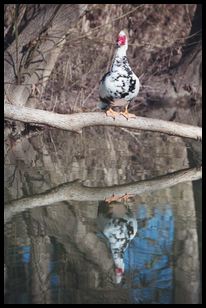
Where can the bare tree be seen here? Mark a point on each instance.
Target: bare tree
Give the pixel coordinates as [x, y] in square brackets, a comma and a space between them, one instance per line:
[34, 39]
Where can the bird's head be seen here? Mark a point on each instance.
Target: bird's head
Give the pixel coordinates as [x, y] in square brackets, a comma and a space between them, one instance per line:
[119, 270]
[122, 39]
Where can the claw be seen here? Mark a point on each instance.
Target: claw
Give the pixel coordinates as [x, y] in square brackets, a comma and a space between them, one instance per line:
[113, 198]
[127, 115]
[126, 197]
[111, 113]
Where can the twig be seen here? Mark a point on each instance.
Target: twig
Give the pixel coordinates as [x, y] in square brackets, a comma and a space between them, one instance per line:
[17, 43]
[105, 24]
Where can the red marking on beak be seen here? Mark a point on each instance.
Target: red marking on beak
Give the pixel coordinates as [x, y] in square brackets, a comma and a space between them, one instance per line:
[121, 40]
[118, 271]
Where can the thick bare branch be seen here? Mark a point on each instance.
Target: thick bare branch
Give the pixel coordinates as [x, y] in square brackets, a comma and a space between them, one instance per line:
[75, 122]
[75, 191]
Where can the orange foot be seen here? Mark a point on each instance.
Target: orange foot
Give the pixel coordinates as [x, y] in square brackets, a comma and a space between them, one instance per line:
[113, 198]
[127, 115]
[125, 197]
[111, 113]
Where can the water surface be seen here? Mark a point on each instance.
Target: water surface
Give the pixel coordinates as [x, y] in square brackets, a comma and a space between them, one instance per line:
[58, 253]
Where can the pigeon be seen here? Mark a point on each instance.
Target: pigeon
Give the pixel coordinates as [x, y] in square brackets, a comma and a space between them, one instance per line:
[120, 85]
[119, 226]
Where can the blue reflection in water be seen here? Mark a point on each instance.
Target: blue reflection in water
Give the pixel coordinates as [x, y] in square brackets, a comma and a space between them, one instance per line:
[17, 288]
[53, 270]
[147, 259]
[54, 280]
[26, 254]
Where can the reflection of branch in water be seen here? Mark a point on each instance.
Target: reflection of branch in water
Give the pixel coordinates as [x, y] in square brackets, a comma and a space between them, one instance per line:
[75, 191]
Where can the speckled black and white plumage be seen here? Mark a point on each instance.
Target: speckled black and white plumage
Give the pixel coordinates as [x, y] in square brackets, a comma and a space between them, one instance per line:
[119, 230]
[120, 82]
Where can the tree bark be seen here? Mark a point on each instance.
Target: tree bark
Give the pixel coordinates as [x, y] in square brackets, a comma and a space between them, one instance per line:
[75, 122]
[30, 57]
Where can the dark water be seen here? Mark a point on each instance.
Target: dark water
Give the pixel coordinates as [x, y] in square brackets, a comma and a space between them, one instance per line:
[61, 245]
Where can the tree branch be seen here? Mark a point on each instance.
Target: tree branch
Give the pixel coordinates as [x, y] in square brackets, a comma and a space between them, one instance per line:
[75, 122]
[75, 191]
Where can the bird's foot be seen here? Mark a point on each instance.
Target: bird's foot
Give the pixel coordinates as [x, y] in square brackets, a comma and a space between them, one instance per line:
[113, 198]
[111, 113]
[128, 115]
[125, 197]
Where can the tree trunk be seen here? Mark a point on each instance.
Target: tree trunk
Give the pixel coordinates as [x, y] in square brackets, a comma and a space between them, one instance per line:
[34, 49]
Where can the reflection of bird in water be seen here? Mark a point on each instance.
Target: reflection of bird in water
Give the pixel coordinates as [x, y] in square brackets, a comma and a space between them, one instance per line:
[120, 85]
[117, 223]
